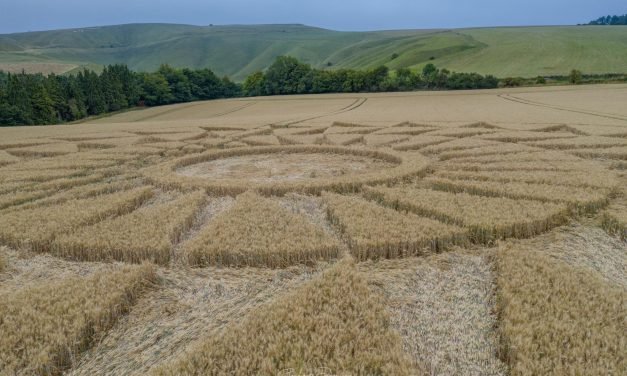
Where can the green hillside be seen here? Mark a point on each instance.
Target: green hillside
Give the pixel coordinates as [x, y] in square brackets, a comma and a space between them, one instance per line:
[239, 50]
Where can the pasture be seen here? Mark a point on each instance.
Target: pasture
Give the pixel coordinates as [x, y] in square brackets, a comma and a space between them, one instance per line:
[475, 232]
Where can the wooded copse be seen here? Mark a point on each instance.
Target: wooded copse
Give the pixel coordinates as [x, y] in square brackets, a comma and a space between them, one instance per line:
[28, 99]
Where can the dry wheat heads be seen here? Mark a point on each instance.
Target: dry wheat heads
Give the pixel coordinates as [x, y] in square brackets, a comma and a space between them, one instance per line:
[614, 218]
[37, 227]
[579, 199]
[598, 177]
[556, 319]
[487, 218]
[373, 231]
[258, 232]
[334, 324]
[45, 327]
[146, 234]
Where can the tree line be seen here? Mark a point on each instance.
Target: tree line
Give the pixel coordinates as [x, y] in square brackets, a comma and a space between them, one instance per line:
[610, 20]
[287, 75]
[28, 99]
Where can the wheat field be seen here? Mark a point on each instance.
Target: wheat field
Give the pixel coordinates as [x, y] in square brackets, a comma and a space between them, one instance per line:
[413, 234]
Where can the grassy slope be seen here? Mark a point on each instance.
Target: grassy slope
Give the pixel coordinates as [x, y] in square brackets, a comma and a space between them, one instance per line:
[240, 50]
[544, 50]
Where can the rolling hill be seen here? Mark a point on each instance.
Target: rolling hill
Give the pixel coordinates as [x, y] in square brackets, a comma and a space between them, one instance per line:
[239, 50]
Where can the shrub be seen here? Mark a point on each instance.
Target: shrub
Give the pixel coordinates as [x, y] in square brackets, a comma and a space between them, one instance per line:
[575, 76]
[512, 81]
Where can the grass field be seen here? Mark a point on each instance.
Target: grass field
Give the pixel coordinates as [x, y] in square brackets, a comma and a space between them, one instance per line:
[418, 234]
[240, 50]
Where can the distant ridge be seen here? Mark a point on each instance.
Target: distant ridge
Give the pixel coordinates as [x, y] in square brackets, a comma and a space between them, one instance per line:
[238, 50]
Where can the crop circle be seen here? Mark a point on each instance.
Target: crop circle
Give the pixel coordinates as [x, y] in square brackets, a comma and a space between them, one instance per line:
[278, 170]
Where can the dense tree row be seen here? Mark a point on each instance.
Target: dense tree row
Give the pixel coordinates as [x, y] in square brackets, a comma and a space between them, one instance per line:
[38, 99]
[610, 20]
[289, 76]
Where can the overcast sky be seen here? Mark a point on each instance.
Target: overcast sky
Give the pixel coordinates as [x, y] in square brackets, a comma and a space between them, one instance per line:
[28, 15]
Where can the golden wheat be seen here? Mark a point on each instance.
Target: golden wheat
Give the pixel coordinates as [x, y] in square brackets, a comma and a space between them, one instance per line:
[354, 130]
[46, 327]
[614, 218]
[581, 142]
[406, 130]
[234, 144]
[604, 153]
[300, 131]
[374, 232]
[36, 228]
[599, 177]
[146, 234]
[294, 139]
[223, 133]
[534, 156]
[169, 145]
[521, 136]
[94, 136]
[62, 162]
[456, 144]
[193, 148]
[504, 148]
[258, 232]
[481, 125]
[266, 140]
[462, 132]
[384, 139]
[47, 150]
[556, 319]
[65, 183]
[12, 144]
[333, 324]
[90, 145]
[343, 139]
[40, 175]
[17, 198]
[263, 131]
[132, 150]
[487, 218]
[180, 136]
[214, 142]
[524, 166]
[561, 128]
[579, 199]
[6, 158]
[4, 263]
[82, 191]
[15, 186]
[419, 142]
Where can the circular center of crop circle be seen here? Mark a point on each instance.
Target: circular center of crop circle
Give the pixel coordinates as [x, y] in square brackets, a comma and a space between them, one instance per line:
[284, 167]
